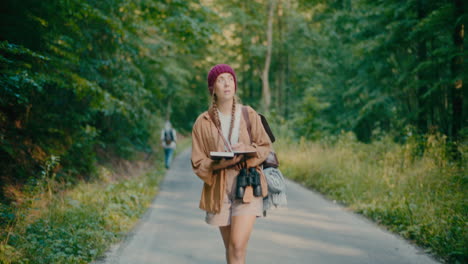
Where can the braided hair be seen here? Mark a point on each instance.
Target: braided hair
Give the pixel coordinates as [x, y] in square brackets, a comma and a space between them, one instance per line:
[214, 109]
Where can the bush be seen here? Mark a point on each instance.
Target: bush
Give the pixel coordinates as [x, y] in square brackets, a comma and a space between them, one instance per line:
[77, 225]
[415, 190]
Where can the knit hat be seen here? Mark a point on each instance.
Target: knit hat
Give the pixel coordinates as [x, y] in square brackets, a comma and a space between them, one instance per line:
[216, 71]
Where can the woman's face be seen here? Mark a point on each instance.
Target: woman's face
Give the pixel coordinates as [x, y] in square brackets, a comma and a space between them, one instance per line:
[224, 87]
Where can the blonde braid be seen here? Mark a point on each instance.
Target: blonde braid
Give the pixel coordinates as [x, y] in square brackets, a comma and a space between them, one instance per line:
[214, 108]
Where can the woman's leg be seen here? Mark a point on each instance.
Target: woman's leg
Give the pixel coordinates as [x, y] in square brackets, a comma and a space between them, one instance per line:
[241, 228]
[169, 158]
[166, 157]
[226, 234]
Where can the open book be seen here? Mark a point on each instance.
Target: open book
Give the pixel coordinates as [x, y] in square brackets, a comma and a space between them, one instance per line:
[217, 155]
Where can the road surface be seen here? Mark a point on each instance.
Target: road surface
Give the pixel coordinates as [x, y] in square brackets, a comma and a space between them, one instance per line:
[311, 230]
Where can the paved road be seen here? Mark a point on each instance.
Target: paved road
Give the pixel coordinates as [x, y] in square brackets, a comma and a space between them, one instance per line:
[311, 230]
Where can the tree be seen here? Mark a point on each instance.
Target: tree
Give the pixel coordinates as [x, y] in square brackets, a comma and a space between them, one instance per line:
[89, 80]
[457, 70]
[265, 80]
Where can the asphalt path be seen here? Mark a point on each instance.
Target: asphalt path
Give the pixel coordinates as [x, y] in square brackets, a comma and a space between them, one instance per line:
[311, 230]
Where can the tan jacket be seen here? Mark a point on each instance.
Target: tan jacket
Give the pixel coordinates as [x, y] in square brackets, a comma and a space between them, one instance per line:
[205, 138]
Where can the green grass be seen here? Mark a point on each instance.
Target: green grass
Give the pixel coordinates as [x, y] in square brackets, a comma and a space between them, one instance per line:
[412, 189]
[53, 223]
[183, 142]
[78, 225]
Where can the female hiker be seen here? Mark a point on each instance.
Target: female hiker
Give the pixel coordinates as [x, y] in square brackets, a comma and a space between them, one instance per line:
[234, 216]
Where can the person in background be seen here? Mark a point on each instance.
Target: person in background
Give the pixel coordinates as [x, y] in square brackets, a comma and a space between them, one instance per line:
[168, 139]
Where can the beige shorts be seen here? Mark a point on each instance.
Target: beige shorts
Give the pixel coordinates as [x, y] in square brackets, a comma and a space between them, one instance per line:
[231, 206]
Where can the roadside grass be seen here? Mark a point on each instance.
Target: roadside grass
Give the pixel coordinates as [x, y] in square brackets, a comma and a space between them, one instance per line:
[183, 142]
[51, 223]
[412, 189]
[78, 225]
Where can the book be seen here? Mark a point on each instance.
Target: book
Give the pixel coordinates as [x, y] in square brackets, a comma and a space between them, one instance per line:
[217, 155]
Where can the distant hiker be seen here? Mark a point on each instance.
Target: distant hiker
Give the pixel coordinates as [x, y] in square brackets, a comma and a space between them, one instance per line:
[230, 204]
[168, 139]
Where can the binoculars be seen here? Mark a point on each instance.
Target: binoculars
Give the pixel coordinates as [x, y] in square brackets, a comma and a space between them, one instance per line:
[246, 178]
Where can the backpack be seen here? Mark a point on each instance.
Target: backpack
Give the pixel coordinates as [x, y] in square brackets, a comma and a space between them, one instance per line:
[168, 136]
[275, 179]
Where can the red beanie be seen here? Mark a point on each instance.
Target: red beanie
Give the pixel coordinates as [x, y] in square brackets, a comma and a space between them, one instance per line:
[216, 71]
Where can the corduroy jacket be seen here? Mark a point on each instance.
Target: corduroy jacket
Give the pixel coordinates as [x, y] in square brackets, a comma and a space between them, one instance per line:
[206, 138]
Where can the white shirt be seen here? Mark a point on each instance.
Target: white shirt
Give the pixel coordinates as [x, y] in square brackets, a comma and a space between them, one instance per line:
[226, 122]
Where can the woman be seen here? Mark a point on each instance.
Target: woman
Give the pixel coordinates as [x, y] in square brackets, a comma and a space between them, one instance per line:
[234, 217]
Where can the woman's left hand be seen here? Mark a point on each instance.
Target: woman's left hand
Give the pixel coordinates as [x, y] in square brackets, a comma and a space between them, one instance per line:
[224, 163]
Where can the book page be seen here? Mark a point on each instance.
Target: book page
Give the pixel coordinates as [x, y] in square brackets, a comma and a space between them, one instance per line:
[246, 152]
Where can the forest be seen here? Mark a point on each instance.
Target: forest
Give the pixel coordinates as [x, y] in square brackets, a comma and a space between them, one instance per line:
[85, 82]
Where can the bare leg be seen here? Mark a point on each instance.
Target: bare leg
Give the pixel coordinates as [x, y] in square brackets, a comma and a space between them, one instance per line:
[241, 228]
[226, 234]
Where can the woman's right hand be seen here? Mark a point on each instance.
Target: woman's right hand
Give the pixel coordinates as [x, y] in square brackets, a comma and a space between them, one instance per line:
[224, 163]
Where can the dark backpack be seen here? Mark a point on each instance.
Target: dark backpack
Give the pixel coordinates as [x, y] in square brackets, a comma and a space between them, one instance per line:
[168, 136]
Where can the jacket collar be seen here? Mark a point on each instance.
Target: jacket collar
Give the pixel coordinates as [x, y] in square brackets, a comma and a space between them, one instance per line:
[206, 115]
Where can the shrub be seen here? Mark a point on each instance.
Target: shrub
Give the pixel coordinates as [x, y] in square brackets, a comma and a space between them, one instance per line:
[416, 191]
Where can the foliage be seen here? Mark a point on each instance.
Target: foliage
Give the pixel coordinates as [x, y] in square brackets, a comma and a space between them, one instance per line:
[386, 65]
[80, 79]
[360, 65]
[421, 197]
[82, 82]
[77, 225]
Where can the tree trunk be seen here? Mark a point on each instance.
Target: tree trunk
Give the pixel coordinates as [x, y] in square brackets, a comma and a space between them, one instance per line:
[422, 115]
[243, 69]
[280, 61]
[286, 95]
[168, 109]
[457, 71]
[266, 93]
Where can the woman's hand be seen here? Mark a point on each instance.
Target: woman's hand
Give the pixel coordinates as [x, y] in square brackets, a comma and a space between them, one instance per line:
[224, 163]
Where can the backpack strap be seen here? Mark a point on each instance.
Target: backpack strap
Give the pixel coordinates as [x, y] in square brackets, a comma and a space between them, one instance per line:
[264, 123]
[267, 128]
[247, 120]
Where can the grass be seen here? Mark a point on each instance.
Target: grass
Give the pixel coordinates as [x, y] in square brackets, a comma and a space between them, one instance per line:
[78, 225]
[53, 223]
[413, 189]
